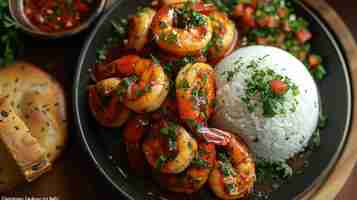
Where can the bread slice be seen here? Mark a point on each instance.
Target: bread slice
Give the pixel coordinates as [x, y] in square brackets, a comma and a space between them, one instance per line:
[38, 100]
[26, 151]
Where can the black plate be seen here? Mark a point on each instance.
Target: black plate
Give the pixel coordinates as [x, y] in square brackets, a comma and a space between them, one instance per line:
[102, 144]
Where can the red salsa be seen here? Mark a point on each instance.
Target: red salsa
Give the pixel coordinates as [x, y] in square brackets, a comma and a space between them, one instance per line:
[58, 15]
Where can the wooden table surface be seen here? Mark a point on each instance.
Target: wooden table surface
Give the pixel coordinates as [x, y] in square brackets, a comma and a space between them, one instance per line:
[74, 177]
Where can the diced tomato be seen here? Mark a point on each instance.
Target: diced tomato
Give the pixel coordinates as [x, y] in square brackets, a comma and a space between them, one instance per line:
[203, 8]
[272, 22]
[261, 40]
[282, 12]
[278, 87]
[303, 35]
[248, 18]
[313, 61]
[238, 10]
[268, 21]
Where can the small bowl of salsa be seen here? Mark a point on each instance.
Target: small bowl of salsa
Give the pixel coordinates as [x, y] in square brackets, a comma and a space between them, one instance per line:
[55, 18]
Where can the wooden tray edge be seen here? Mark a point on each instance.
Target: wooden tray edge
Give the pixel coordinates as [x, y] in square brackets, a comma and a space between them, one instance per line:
[347, 160]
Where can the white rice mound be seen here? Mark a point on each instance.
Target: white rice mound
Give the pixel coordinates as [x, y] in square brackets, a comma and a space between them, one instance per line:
[273, 139]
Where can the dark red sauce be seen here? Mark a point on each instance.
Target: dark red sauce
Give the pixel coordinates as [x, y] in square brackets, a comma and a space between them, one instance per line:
[58, 15]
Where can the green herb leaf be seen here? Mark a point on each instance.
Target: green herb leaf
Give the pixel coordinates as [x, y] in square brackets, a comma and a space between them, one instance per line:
[322, 120]
[199, 163]
[160, 162]
[319, 73]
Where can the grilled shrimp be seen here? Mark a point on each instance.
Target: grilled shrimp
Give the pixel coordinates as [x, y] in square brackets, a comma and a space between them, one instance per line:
[169, 148]
[143, 84]
[180, 30]
[195, 93]
[139, 28]
[225, 36]
[134, 133]
[196, 175]
[105, 105]
[233, 176]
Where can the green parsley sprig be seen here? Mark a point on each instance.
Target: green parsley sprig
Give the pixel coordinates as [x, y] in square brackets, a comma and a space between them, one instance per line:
[9, 35]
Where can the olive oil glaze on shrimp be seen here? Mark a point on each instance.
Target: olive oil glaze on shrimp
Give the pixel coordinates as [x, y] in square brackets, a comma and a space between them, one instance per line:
[141, 85]
[169, 148]
[233, 176]
[104, 104]
[195, 93]
[178, 32]
[195, 176]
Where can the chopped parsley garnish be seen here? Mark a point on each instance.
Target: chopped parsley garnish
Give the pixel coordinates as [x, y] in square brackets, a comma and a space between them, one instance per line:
[193, 124]
[170, 38]
[220, 5]
[259, 89]
[207, 47]
[186, 17]
[199, 163]
[125, 84]
[319, 73]
[322, 120]
[217, 40]
[170, 132]
[160, 162]
[168, 67]
[296, 24]
[315, 140]
[198, 93]
[230, 74]
[197, 19]
[141, 91]
[129, 80]
[276, 172]
[225, 165]
[184, 61]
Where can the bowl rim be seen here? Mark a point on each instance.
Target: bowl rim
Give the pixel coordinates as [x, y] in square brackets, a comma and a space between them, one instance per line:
[318, 181]
[55, 35]
[346, 132]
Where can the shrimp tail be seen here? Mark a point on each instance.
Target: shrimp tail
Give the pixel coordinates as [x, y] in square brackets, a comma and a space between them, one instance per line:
[215, 136]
